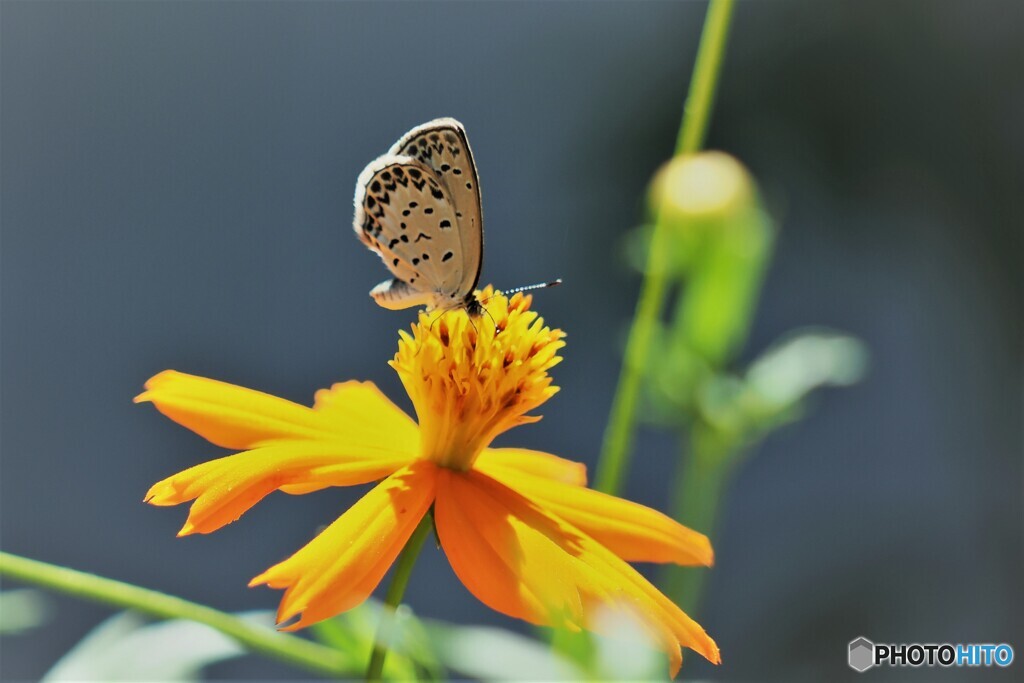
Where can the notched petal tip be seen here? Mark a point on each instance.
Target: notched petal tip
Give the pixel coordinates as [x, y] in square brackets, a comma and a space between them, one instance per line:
[160, 377]
[298, 624]
[162, 494]
[155, 383]
[704, 645]
[288, 610]
[263, 579]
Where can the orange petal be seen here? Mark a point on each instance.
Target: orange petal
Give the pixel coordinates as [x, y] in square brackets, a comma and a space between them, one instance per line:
[364, 415]
[634, 532]
[225, 488]
[340, 568]
[226, 414]
[536, 463]
[235, 417]
[361, 411]
[525, 563]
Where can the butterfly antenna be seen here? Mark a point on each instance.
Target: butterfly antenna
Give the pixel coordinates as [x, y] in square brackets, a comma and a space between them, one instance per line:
[431, 328]
[526, 288]
[436, 318]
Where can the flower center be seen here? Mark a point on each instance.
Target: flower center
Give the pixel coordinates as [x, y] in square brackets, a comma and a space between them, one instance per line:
[471, 379]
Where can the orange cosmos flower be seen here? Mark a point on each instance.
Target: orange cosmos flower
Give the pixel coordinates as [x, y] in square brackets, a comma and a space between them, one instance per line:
[519, 527]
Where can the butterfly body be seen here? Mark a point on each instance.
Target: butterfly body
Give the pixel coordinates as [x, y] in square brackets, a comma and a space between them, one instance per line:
[418, 207]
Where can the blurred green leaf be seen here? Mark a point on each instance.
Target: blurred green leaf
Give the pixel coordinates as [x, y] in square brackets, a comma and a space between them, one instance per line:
[720, 403]
[776, 385]
[410, 654]
[126, 647]
[425, 649]
[577, 647]
[493, 654]
[682, 386]
[805, 361]
[672, 375]
[23, 609]
[625, 651]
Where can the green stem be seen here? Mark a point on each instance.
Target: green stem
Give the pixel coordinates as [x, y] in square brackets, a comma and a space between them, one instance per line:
[403, 570]
[290, 649]
[618, 437]
[703, 474]
[701, 98]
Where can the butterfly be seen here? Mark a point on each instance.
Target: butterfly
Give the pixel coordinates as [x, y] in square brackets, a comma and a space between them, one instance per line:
[418, 207]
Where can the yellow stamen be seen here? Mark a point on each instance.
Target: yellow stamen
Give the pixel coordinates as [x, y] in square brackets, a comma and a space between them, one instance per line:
[471, 380]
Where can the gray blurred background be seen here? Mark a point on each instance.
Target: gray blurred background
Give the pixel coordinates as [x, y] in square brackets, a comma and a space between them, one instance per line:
[176, 193]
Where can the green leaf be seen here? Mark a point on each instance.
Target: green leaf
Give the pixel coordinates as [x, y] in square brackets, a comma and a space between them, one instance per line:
[576, 646]
[127, 648]
[625, 651]
[494, 654]
[410, 655]
[23, 609]
[804, 361]
[776, 385]
[738, 411]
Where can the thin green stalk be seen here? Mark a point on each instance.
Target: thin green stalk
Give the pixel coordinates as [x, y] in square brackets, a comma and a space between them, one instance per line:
[618, 437]
[698, 493]
[290, 649]
[403, 570]
[701, 99]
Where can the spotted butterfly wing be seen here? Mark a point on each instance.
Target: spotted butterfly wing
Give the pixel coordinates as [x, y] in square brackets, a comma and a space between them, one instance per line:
[418, 207]
[442, 144]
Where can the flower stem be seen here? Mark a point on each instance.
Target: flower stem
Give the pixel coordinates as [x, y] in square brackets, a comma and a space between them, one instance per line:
[700, 482]
[696, 114]
[700, 100]
[291, 649]
[403, 570]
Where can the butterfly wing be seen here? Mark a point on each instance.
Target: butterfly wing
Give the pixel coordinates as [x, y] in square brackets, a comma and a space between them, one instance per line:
[409, 218]
[442, 145]
[398, 294]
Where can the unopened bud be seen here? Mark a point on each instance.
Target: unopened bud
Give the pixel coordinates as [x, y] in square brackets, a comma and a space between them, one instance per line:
[701, 187]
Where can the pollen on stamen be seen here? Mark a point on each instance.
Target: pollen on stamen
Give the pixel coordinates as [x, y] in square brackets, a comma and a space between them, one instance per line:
[470, 381]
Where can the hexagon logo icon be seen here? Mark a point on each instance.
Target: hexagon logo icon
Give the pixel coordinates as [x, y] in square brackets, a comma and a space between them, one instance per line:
[862, 654]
